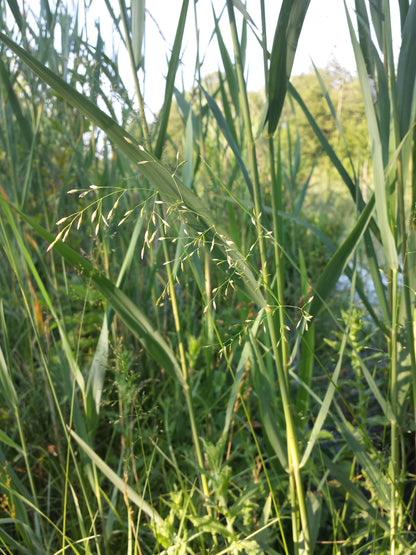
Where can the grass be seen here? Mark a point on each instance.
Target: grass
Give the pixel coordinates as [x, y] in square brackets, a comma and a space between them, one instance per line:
[180, 372]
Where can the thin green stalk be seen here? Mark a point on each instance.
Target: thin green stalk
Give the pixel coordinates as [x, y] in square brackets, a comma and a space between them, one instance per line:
[292, 442]
[277, 208]
[137, 88]
[394, 521]
[184, 368]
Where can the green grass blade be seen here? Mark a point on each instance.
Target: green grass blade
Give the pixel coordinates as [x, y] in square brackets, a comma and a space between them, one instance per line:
[338, 261]
[229, 69]
[170, 80]
[289, 25]
[366, 461]
[267, 402]
[363, 25]
[132, 316]
[305, 372]
[326, 403]
[24, 124]
[406, 73]
[376, 154]
[118, 482]
[336, 162]
[138, 12]
[355, 493]
[14, 8]
[228, 134]
[200, 220]
[6, 382]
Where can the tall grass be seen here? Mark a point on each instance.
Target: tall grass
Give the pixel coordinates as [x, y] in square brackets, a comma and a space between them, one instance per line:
[178, 372]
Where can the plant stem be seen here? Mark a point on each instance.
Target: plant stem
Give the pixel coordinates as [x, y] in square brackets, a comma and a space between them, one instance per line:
[293, 454]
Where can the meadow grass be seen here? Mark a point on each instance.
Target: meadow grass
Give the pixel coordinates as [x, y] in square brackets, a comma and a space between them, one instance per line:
[180, 370]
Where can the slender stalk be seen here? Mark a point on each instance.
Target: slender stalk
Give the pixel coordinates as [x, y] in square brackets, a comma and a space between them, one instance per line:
[293, 454]
[137, 88]
[394, 425]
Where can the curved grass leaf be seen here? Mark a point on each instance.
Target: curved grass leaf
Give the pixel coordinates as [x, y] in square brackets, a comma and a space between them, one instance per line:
[376, 154]
[289, 25]
[199, 218]
[355, 493]
[132, 316]
[170, 79]
[229, 136]
[117, 481]
[264, 391]
[338, 261]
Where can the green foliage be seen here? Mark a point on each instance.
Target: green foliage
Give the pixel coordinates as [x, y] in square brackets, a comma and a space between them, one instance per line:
[180, 369]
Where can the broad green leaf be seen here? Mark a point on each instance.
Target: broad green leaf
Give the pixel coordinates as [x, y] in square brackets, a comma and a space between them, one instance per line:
[305, 372]
[364, 35]
[14, 8]
[118, 482]
[377, 17]
[229, 69]
[314, 508]
[289, 25]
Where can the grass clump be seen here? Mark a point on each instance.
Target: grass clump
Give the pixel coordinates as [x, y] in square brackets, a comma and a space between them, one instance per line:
[180, 369]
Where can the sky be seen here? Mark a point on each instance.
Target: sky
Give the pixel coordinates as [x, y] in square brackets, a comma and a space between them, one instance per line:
[324, 39]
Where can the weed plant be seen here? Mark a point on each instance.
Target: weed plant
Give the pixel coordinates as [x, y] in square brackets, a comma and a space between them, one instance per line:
[180, 370]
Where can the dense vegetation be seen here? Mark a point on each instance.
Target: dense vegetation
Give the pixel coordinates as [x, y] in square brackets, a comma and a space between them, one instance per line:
[207, 321]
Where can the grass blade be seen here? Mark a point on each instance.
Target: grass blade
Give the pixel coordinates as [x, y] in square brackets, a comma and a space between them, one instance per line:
[376, 154]
[117, 481]
[172, 191]
[132, 316]
[137, 29]
[170, 80]
[338, 261]
[289, 25]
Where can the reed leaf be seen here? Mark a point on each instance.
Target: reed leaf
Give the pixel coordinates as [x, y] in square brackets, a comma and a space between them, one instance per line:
[289, 25]
[376, 155]
[138, 12]
[171, 189]
[336, 265]
[132, 316]
[118, 482]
